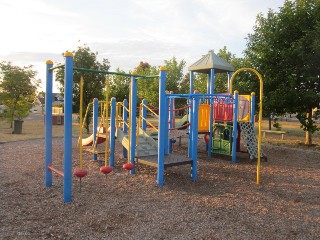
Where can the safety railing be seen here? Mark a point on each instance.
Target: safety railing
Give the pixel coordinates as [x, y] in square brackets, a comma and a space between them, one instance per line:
[142, 118]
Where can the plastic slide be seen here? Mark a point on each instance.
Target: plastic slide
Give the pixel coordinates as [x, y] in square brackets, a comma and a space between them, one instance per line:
[89, 140]
[182, 124]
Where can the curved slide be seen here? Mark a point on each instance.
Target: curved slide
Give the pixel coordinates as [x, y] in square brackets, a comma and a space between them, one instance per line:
[89, 140]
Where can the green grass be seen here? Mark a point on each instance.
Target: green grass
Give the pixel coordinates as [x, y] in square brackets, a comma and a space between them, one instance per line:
[295, 136]
[31, 129]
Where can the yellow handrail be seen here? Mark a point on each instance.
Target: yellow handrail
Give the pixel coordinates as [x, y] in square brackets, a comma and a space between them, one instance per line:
[143, 118]
[85, 116]
[260, 113]
[129, 130]
[141, 105]
[106, 108]
[151, 125]
[118, 113]
[80, 134]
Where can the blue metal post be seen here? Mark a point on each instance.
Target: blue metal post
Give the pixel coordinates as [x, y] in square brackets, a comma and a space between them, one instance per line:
[95, 124]
[133, 120]
[166, 126]
[172, 119]
[252, 107]
[194, 141]
[171, 112]
[125, 128]
[112, 133]
[229, 77]
[67, 145]
[209, 82]
[211, 102]
[144, 115]
[235, 126]
[191, 82]
[190, 111]
[48, 124]
[162, 123]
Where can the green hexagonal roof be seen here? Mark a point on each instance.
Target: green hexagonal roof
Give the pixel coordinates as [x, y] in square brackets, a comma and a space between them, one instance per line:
[211, 61]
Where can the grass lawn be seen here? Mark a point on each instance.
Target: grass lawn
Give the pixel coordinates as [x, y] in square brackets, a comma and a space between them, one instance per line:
[31, 129]
[294, 137]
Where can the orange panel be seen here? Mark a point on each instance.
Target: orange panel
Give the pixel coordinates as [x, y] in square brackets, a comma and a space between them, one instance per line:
[203, 117]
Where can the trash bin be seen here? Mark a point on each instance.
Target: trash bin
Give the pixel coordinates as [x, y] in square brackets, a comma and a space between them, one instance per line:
[17, 126]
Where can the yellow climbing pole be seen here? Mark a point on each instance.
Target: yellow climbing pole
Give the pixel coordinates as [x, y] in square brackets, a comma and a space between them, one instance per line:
[260, 114]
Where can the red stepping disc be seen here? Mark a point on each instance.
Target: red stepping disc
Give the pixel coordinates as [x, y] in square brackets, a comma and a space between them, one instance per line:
[106, 169]
[128, 166]
[80, 173]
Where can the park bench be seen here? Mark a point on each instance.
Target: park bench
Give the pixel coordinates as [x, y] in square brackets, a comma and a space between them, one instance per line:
[273, 132]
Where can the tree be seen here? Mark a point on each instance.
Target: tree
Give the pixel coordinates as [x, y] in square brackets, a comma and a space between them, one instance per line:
[18, 89]
[119, 86]
[284, 48]
[245, 83]
[174, 73]
[149, 88]
[94, 83]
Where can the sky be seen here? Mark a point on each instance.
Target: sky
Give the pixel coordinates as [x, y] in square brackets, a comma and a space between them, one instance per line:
[125, 31]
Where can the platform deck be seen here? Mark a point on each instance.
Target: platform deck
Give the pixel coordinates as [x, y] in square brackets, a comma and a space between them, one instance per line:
[169, 160]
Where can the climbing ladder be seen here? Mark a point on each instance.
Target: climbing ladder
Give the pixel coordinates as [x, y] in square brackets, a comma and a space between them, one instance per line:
[250, 141]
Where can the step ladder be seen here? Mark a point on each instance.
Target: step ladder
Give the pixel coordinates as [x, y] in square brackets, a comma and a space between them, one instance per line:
[250, 141]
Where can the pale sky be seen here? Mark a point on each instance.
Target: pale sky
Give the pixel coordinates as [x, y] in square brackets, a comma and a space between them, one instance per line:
[125, 31]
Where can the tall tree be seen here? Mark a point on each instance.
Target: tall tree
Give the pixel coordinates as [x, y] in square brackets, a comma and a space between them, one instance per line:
[119, 86]
[244, 83]
[149, 88]
[18, 90]
[94, 83]
[284, 48]
[174, 73]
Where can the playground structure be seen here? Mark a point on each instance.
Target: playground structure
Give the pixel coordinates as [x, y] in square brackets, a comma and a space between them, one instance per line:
[216, 115]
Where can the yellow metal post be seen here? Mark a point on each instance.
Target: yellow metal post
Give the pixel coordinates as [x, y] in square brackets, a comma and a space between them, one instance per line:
[81, 122]
[260, 114]
[106, 107]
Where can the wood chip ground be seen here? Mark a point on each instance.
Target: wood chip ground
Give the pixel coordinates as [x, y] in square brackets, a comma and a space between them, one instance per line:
[224, 203]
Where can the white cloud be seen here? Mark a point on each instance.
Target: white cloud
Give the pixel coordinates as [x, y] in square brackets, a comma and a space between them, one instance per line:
[127, 31]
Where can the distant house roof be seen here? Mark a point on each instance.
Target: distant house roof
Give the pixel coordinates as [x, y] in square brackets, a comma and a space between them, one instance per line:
[42, 100]
[56, 99]
[211, 61]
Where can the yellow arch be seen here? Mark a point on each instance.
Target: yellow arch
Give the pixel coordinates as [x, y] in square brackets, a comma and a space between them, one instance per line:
[260, 113]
